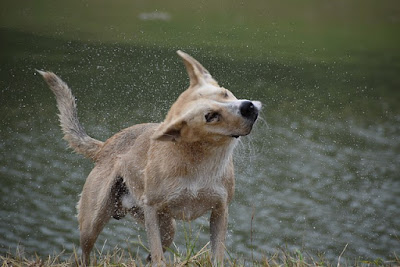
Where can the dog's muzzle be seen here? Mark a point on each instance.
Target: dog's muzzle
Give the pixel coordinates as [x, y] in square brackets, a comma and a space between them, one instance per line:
[248, 110]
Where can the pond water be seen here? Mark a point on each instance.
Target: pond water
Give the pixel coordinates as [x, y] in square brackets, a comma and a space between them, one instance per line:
[319, 171]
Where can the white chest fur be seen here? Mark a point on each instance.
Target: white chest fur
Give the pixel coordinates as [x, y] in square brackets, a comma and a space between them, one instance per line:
[195, 196]
[202, 190]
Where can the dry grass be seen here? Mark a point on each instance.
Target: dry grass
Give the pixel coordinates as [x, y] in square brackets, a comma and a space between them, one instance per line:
[119, 257]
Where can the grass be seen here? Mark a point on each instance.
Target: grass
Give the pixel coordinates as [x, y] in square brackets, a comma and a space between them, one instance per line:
[188, 256]
[120, 257]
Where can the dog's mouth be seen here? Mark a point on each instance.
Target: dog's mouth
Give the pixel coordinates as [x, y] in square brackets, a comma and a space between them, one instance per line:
[247, 129]
[239, 135]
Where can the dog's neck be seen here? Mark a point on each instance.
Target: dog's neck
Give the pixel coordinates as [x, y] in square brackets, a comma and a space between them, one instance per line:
[204, 159]
[201, 151]
[190, 159]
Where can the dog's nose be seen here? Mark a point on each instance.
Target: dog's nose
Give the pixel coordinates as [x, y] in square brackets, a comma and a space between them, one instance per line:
[248, 110]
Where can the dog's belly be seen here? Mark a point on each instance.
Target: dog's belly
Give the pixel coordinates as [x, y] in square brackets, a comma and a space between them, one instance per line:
[188, 206]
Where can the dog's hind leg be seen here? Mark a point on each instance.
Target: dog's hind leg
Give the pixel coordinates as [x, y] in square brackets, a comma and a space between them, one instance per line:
[91, 224]
[95, 208]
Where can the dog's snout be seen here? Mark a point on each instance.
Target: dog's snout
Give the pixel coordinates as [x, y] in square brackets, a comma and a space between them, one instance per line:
[248, 110]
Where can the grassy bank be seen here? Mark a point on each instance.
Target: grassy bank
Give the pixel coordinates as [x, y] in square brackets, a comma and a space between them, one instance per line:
[119, 257]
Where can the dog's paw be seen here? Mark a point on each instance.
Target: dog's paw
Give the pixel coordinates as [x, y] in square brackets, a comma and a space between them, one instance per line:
[155, 264]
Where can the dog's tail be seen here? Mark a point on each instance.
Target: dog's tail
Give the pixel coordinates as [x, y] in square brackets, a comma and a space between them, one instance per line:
[73, 131]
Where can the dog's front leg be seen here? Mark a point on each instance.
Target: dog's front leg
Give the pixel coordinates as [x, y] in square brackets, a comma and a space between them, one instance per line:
[153, 235]
[218, 228]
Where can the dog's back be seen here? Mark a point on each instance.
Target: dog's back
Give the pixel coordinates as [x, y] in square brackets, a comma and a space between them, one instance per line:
[123, 141]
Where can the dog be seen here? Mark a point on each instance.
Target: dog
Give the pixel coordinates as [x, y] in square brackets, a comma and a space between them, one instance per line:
[178, 169]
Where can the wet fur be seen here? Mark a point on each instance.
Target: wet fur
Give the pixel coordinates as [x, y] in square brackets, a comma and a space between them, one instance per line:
[181, 168]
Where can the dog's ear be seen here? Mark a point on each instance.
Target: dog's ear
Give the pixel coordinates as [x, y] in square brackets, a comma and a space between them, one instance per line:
[198, 75]
[169, 131]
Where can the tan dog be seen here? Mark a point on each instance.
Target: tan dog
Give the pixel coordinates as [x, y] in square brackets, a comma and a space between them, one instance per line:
[158, 172]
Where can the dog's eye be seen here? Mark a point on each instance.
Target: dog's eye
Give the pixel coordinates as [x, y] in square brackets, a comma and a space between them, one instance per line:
[212, 116]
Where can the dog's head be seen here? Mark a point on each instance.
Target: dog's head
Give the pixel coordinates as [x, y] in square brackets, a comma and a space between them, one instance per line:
[206, 111]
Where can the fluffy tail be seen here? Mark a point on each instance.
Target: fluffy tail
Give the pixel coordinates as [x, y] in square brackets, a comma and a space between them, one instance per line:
[73, 131]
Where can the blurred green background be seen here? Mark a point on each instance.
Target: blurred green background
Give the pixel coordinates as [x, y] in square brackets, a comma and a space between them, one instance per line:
[322, 167]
